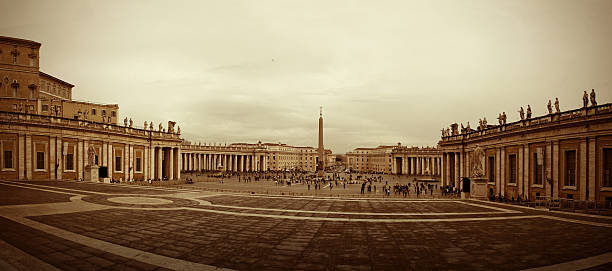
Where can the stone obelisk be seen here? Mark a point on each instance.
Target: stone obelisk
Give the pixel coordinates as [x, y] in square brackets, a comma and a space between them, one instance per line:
[321, 163]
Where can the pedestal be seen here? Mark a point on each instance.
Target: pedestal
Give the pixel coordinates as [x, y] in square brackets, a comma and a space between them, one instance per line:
[91, 173]
[479, 188]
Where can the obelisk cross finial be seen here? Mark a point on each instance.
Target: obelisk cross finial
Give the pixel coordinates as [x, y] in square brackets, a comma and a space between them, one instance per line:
[321, 111]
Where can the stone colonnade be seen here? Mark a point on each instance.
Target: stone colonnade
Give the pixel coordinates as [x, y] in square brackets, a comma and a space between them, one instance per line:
[234, 162]
[418, 165]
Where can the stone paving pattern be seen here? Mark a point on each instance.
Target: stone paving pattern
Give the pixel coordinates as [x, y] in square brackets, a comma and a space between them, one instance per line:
[270, 243]
[10, 195]
[64, 254]
[194, 233]
[100, 188]
[381, 206]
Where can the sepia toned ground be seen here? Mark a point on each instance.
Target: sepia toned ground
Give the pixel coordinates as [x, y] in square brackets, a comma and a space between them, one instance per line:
[68, 225]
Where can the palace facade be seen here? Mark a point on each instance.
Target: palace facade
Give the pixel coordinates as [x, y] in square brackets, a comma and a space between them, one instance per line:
[560, 155]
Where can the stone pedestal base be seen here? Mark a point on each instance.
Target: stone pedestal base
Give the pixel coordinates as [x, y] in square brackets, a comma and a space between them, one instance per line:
[478, 188]
[465, 195]
[91, 173]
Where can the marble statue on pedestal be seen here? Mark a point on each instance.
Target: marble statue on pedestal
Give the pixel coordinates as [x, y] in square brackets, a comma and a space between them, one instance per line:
[478, 161]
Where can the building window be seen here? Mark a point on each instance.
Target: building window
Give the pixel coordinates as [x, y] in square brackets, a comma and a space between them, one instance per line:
[113, 114]
[45, 107]
[32, 62]
[69, 161]
[512, 168]
[31, 94]
[570, 168]
[8, 159]
[103, 112]
[538, 168]
[93, 111]
[491, 169]
[118, 163]
[40, 160]
[138, 166]
[607, 168]
[14, 59]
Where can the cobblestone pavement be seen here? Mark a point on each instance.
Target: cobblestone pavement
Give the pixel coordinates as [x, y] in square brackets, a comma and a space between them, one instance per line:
[120, 227]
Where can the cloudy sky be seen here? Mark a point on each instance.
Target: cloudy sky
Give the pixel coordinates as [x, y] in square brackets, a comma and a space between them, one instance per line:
[384, 71]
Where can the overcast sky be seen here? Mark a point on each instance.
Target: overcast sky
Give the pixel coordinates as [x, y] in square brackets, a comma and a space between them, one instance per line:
[384, 71]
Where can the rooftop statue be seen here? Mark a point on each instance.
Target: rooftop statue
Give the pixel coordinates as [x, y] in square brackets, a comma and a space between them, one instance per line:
[150, 126]
[125, 122]
[131, 123]
[585, 99]
[557, 105]
[549, 107]
[171, 126]
[528, 111]
[522, 113]
[593, 101]
[145, 125]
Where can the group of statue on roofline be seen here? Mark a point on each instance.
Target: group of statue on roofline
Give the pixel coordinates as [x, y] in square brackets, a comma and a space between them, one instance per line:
[149, 126]
[482, 123]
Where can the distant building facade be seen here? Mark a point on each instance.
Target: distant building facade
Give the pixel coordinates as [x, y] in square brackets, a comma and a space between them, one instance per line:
[560, 155]
[395, 159]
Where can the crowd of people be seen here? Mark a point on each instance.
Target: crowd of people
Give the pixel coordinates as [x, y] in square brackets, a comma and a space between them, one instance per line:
[370, 184]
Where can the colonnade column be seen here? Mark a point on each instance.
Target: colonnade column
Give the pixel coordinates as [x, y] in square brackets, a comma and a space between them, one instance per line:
[457, 173]
[159, 163]
[178, 162]
[170, 164]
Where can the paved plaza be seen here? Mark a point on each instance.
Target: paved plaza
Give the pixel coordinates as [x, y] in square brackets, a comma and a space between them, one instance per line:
[67, 225]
